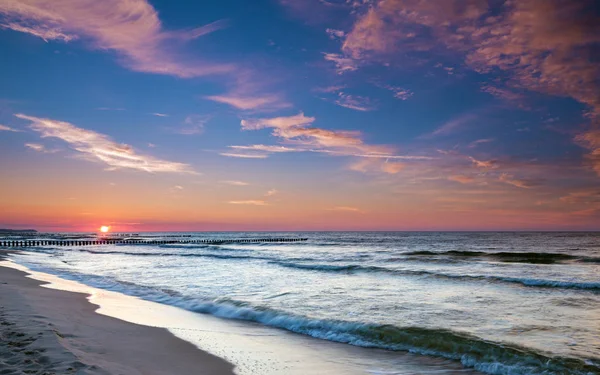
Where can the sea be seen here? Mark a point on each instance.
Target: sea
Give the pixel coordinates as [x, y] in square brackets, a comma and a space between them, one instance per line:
[503, 303]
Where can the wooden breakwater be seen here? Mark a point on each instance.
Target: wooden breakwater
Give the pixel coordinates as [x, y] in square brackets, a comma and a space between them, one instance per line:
[30, 243]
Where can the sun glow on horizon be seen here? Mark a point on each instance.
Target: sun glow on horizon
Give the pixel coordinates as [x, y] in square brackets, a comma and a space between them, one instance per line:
[104, 229]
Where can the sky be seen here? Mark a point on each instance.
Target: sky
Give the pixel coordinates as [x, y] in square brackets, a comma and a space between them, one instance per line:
[300, 115]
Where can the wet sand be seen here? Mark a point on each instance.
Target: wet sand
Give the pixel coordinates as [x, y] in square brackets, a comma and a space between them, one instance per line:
[47, 331]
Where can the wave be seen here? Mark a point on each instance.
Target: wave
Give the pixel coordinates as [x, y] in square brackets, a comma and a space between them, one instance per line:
[193, 255]
[483, 355]
[514, 257]
[352, 268]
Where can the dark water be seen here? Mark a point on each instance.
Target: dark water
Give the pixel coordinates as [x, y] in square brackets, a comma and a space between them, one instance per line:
[501, 303]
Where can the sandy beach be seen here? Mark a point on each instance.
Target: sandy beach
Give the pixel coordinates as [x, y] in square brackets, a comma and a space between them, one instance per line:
[46, 331]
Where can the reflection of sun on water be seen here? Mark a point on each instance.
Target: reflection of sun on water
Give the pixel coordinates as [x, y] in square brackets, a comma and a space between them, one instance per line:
[104, 229]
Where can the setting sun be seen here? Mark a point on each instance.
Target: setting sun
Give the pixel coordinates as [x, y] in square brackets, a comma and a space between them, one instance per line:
[104, 229]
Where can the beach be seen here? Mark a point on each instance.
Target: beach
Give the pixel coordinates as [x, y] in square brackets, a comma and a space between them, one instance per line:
[47, 331]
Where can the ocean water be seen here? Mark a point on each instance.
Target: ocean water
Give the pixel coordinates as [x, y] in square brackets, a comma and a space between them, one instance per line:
[497, 303]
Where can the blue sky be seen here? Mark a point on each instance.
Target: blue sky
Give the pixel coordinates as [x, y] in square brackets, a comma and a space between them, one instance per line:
[290, 114]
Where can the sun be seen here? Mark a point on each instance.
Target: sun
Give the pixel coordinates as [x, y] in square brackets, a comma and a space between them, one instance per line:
[104, 229]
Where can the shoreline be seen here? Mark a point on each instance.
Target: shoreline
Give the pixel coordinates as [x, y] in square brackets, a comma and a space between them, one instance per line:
[49, 331]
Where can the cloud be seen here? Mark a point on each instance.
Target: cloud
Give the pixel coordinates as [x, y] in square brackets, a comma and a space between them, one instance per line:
[590, 196]
[342, 64]
[539, 45]
[45, 33]
[235, 183]
[329, 89]
[267, 148]
[250, 202]
[130, 28]
[298, 121]
[8, 129]
[335, 34]
[39, 148]
[504, 94]
[399, 92]
[377, 165]
[176, 189]
[344, 209]
[271, 193]
[489, 164]
[453, 125]
[193, 124]
[244, 156]
[591, 141]
[480, 141]
[392, 167]
[358, 103]
[251, 92]
[100, 148]
[298, 131]
[157, 114]
[523, 184]
[251, 102]
[462, 179]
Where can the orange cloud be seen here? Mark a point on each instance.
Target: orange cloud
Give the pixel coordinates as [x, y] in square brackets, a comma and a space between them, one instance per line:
[591, 141]
[523, 184]
[375, 164]
[296, 129]
[250, 202]
[100, 148]
[484, 163]
[345, 209]
[462, 179]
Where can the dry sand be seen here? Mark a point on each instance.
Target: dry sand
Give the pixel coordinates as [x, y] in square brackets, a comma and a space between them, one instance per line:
[46, 331]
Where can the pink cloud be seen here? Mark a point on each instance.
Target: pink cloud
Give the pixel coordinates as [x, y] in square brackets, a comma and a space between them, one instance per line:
[251, 102]
[542, 45]
[244, 156]
[8, 129]
[358, 103]
[131, 28]
[342, 63]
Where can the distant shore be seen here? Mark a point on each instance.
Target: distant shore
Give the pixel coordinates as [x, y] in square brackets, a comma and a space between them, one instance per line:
[55, 332]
